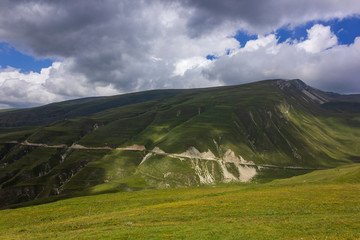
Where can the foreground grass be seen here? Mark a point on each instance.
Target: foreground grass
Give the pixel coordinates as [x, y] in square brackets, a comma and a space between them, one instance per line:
[306, 211]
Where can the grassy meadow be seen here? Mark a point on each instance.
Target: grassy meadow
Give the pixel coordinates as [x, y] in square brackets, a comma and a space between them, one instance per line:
[323, 204]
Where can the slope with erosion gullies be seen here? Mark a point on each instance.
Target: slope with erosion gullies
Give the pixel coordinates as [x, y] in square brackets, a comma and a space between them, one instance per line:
[259, 131]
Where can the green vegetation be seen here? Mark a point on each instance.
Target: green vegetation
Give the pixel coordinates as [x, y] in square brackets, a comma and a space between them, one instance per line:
[15, 134]
[274, 125]
[343, 174]
[117, 167]
[323, 204]
[9, 109]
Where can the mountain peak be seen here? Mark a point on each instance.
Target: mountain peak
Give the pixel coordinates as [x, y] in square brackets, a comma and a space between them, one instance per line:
[297, 83]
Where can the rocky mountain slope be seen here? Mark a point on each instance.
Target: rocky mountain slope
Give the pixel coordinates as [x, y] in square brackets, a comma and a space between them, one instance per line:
[170, 138]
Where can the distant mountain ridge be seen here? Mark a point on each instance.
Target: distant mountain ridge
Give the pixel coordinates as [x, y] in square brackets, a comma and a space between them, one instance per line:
[86, 106]
[168, 138]
[75, 108]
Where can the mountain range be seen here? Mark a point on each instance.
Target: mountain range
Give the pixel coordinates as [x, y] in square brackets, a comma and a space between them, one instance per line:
[254, 132]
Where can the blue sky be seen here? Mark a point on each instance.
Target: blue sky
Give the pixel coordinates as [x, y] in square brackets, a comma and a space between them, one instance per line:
[113, 47]
[345, 29]
[9, 56]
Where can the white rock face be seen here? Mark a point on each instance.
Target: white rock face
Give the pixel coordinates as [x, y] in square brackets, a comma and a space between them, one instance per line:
[202, 171]
[246, 173]
[228, 177]
[200, 160]
[192, 152]
[229, 156]
[313, 97]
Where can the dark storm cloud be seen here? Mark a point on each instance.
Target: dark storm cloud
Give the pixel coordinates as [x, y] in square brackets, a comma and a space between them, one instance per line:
[96, 35]
[103, 47]
[54, 28]
[263, 16]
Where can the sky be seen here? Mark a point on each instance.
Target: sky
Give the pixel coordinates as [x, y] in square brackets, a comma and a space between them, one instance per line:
[58, 50]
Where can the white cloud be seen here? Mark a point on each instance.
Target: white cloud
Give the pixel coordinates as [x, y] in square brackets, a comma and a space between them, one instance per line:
[261, 42]
[319, 38]
[13, 73]
[24, 89]
[54, 83]
[111, 47]
[187, 64]
[335, 69]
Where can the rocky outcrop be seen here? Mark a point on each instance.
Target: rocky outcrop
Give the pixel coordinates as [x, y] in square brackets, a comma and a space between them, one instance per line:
[210, 169]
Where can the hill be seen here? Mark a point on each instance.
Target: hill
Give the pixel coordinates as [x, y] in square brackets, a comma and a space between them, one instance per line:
[277, 210]
[171, 138]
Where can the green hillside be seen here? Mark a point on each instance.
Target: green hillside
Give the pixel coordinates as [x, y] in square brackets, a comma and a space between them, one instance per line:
[314, 209]
[340, 175]
[254, 132]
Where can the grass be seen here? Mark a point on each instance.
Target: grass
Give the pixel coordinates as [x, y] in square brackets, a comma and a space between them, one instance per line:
[15, 133]
[323, 204]
[306, 211]
[344, 174]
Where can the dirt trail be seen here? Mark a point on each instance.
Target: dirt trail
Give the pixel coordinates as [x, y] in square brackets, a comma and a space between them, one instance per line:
[191, 153]
[74, 146]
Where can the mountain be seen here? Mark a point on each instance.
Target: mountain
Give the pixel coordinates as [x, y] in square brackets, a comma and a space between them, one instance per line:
[172, 138]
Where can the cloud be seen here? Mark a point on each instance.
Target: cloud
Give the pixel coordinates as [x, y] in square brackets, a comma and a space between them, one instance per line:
[109, 47]
[319, 39]
[187, 64]
[54, 83]
[260, 42]
[335, 69]
[263, 16]
[18, 89]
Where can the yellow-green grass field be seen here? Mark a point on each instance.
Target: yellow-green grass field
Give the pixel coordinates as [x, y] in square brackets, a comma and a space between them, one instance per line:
[323, 204]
